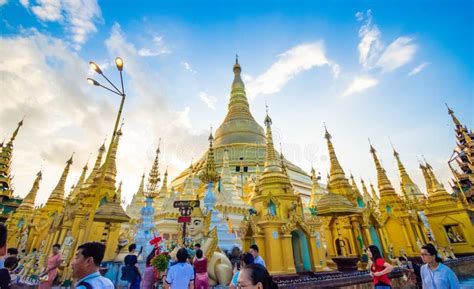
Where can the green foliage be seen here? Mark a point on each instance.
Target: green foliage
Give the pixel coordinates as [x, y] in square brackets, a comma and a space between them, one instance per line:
[160, 262]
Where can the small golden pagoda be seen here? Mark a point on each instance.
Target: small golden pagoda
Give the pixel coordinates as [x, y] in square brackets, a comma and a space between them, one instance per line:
[277, 224]
[449, 218]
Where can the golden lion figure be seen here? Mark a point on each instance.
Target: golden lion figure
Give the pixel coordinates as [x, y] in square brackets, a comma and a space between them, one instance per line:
[219, 267]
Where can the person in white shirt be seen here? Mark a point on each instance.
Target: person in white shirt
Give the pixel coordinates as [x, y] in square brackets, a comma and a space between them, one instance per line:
[257, 259]
[85, 267]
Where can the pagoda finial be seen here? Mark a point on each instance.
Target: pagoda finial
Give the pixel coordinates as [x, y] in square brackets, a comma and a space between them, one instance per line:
[77, 188]
[336, 172]
[455, 119]
[15, 132]
[58, 192]
[270, 159]
[384, 185]
[236, 59]
[29, 201]
[209, 175]
[154, 175]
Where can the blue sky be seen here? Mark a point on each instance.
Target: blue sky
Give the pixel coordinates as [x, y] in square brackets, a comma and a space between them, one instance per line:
[378, 69]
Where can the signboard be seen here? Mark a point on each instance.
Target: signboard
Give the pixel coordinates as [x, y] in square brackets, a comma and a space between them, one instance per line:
[190, 203]
[184, 219]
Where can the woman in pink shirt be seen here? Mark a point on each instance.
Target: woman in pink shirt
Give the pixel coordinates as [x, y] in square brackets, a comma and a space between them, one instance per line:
[52, 269]
[200, 268]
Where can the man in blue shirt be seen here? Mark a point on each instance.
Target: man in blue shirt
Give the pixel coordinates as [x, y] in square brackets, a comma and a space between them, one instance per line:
[256, 257]
[180, 275]
[85, 267]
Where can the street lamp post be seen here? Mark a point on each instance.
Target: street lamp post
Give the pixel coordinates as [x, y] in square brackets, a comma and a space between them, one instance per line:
[121, 93]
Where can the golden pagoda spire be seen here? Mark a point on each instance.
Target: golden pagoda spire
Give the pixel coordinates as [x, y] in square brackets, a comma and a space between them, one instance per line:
[96, 168]
[337, 179]
[385, 187]
[58, 193]
[271, 163]
[427, 177]
[77, 188]
[238, 122]
[367, 197]
[209, 174]
[355, 188]
[111, 170]
[457, 123]
[438, 192]
[29, 201]
[154, 175]
[336, 171]
[15, 132]
[409, 189]
[373, 192]
[6, 152]
[273, 175]
[316, 192]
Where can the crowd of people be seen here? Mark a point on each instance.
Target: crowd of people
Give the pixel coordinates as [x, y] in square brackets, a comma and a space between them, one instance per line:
[188, 269]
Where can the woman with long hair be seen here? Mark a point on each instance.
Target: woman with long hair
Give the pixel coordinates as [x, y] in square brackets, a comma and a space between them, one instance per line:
[255, 276]
[379, 269]
[149, 275]
[434, 274]
[200, 268]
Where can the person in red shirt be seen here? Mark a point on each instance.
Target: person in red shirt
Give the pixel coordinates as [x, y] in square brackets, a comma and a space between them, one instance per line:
[379, 269]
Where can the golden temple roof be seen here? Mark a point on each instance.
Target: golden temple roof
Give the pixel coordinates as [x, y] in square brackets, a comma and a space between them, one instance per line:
[111, 212]
[332, 204]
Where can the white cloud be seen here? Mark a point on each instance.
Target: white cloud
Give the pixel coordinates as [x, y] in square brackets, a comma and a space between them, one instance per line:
[397, 54]
[369, 45]
[209, 100]
[359, 84]
[25, 3]
[188, 67]
[48, 10]
[3, 2]
[44, 78]
[418, 69]
[335, 70]
[77, 17]
[158, 49]
[290, 63]
[359, 16]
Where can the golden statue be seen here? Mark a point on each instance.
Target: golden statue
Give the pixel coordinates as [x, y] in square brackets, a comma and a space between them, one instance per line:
[219, 267]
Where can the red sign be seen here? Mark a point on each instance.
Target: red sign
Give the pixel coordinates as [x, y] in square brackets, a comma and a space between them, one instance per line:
[184, 219]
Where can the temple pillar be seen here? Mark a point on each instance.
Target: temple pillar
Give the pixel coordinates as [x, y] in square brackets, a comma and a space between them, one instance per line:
[410, 251]
[368, 237]
[317, 264]
[62, 236]
[287, 251]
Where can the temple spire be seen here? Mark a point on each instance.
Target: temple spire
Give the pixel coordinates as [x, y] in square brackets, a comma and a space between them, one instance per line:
[316, 192]
[271, 163]
[29, 201]
[15, 132]
[111, 170]
[209, 175]
[96, 167]
[238, 122]
[58, 192]
[154, 175]
[385, 187]
[367, 197]
[457, 123]
[336, 171]
[77, 188]
[410, 190]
